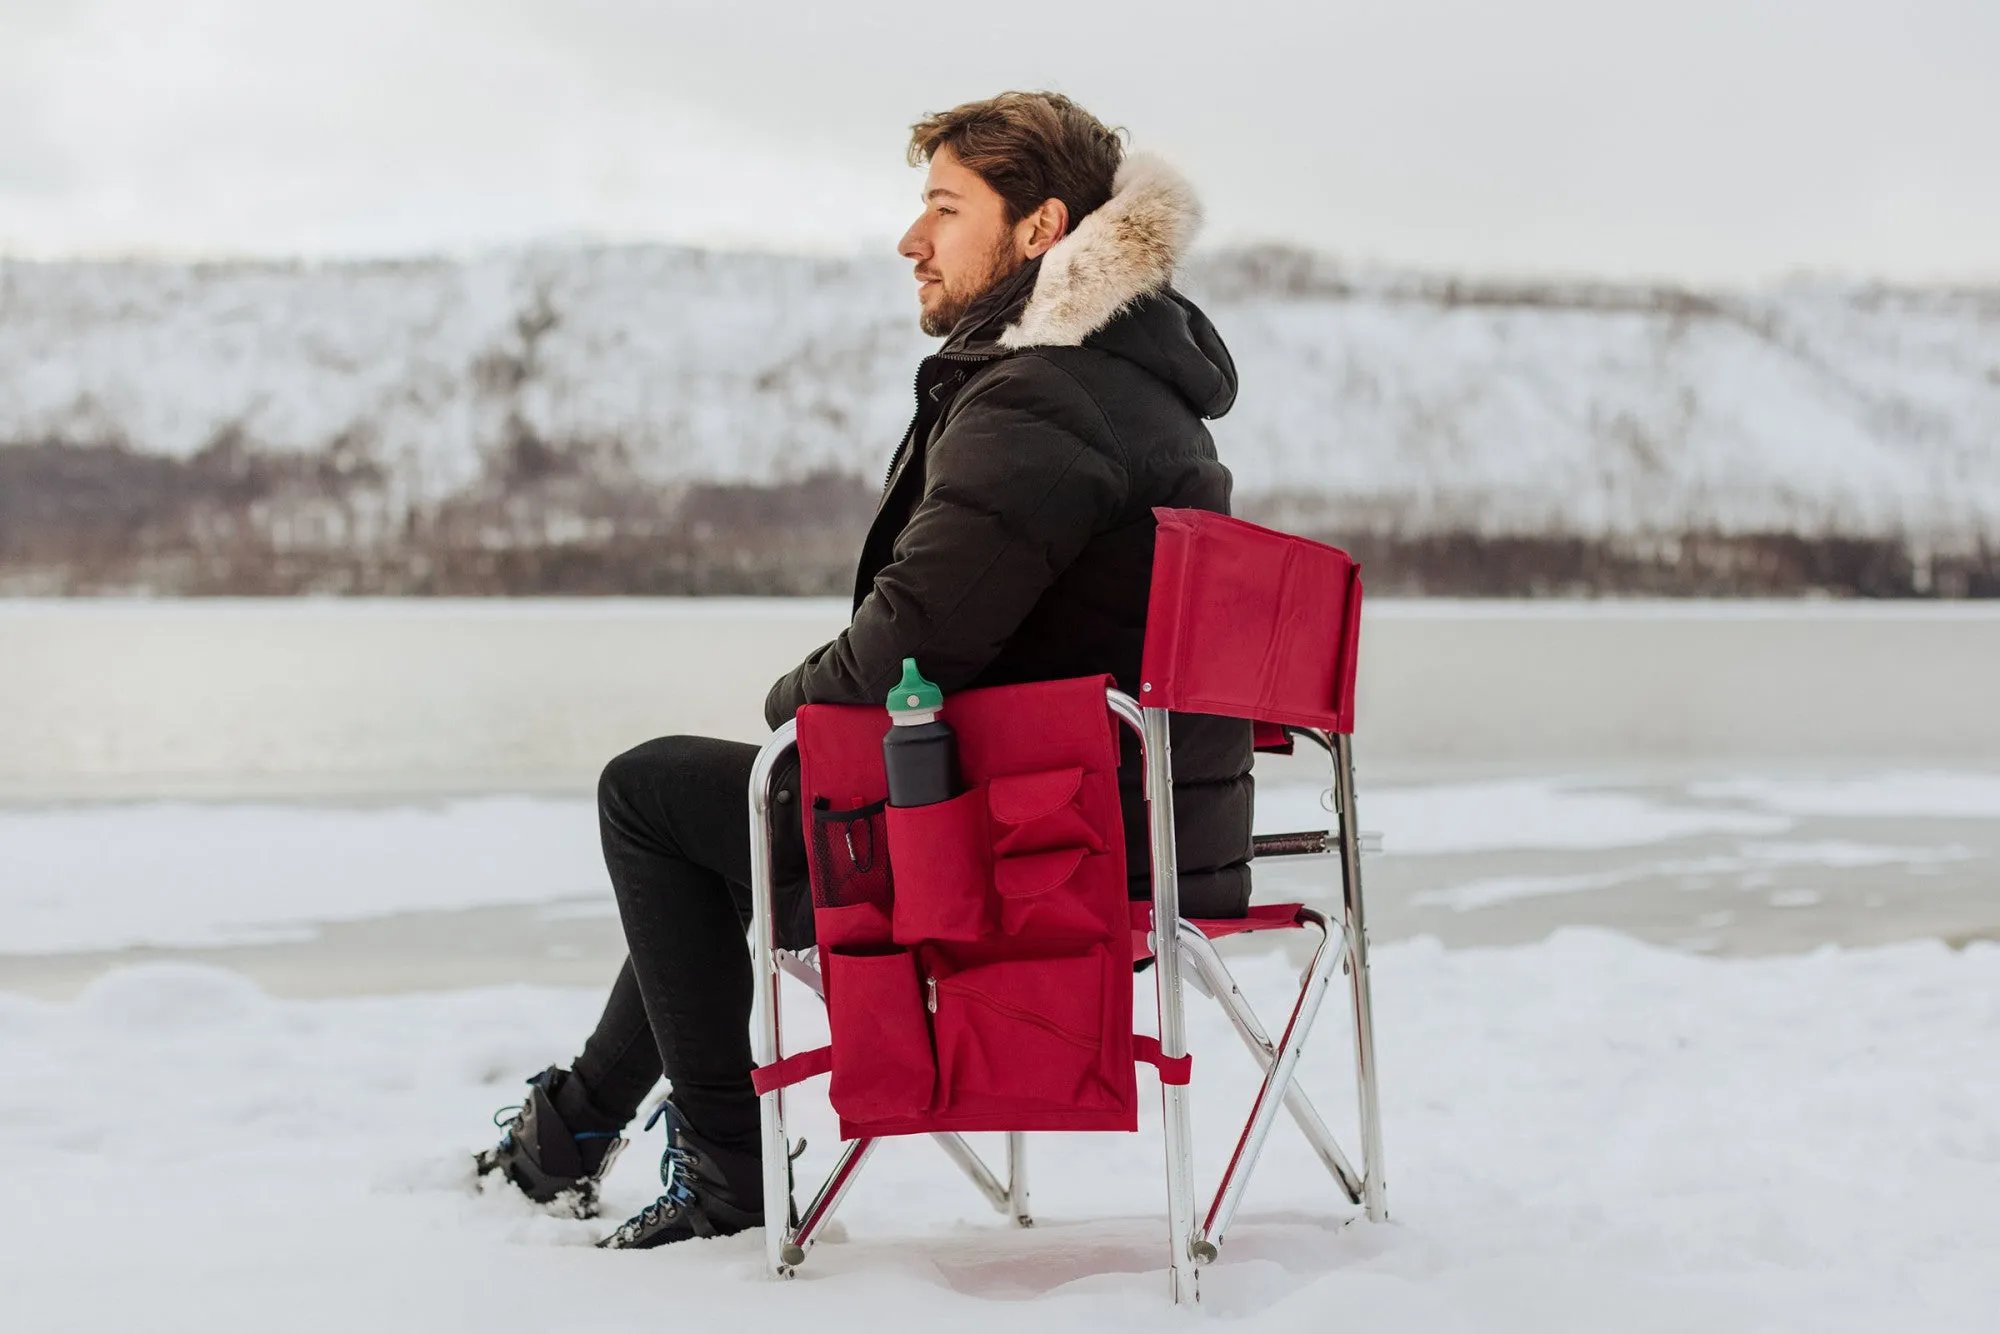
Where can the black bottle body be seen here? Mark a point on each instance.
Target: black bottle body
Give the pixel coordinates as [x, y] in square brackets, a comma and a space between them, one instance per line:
[922, 763]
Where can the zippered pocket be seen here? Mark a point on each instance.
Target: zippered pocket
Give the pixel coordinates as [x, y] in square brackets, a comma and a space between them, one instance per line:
[1021, 1035]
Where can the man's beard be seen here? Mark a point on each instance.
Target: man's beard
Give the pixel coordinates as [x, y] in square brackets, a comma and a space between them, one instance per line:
[941, 319]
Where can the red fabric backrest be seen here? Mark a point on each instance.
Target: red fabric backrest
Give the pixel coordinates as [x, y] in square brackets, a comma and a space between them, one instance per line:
[1250, 622]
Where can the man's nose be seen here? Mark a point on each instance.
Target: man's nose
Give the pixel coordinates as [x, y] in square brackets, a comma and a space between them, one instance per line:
[913, 246]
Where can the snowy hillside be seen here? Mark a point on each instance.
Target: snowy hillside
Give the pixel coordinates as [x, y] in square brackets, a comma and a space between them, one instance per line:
[1397, 405]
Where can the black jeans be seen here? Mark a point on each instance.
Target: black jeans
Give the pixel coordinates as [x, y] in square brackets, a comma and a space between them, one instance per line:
[676, 830]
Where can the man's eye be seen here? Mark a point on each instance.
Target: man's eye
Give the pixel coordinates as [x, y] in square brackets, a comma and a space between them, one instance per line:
[947, 210]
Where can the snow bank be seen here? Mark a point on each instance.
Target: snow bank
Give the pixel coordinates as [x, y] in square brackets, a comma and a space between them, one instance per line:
[1583, 1135]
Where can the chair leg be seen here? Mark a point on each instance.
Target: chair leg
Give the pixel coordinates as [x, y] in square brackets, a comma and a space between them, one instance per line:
[975, 1169]
[1184, 1251]
[1017, 1179]
[797, 1241]
[1355, 931]
[1182, 1256]
[1208, 966]
[766, 1040]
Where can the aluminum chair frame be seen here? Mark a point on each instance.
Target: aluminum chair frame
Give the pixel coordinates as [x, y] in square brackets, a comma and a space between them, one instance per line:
[1192, 1243]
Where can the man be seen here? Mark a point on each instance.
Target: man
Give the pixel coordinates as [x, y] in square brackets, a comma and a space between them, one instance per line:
[1014, 542]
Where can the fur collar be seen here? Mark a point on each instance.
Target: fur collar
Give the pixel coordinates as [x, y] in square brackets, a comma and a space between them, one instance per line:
[1120, 252]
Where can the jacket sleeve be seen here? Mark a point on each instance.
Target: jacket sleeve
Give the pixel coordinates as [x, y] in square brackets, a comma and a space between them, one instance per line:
[1013, 491]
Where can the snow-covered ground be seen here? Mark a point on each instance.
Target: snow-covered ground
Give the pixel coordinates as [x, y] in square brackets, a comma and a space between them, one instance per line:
[180, 875]
[1585, 1134]
[240, 1095]
[167, 874]
[1421, 404]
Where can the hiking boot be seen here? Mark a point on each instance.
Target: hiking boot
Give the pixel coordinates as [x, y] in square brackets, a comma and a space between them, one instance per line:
[708, 1191]
[550, 1163]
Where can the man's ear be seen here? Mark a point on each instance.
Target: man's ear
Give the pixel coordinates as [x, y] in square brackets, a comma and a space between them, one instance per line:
[1044, 227]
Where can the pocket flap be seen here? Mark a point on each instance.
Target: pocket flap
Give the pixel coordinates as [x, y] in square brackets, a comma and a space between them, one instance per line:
[1036, 873]
[1020, 798]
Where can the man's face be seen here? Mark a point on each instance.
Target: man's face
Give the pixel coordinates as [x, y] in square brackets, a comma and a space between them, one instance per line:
[961, 245]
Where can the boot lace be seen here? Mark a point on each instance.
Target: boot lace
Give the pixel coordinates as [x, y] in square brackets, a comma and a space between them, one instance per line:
[509, 1119]
[510, 1124]
[677, 1193]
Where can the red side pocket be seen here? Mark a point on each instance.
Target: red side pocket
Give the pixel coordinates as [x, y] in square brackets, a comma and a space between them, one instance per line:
[1039, 812]
[857, 928]
[1025, 1035]
[1041, 896]
[882, 1062]
[942, 855]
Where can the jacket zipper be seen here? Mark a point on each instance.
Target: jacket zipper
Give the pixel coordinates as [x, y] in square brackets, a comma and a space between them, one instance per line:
[917, 392]
[896, 459]
[1015, 1012]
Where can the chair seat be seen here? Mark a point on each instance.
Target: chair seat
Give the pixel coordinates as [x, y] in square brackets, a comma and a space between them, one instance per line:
[1258, 917]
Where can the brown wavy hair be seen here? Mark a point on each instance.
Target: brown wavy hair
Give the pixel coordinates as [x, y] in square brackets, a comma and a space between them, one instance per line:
[1029, 147]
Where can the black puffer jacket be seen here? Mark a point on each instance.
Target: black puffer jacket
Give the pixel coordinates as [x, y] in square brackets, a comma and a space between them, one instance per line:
[1014, 541]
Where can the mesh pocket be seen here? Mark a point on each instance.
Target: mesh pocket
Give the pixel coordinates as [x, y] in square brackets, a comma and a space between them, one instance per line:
[850, 855]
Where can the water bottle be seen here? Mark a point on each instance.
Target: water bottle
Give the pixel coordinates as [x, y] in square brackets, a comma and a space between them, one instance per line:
[920, 752]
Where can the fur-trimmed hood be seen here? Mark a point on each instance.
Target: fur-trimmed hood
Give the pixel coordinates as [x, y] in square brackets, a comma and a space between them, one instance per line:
[1108, 285]
[1120, 252]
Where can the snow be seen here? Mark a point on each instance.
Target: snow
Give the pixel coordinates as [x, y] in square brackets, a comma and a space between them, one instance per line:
[1583, 1134]
[1393, 398]
[1514, 814]
[191, 874]
[105, 877]
[1905, 794]
[1600, 610]
[699, 610]
[101, 877]
[1752, 861]
[837, 610]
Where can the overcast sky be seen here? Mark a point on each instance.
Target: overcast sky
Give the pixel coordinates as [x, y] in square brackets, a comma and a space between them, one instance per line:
[1699, 140]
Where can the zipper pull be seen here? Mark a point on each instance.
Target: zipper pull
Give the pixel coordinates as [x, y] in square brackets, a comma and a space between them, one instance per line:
[930, 999]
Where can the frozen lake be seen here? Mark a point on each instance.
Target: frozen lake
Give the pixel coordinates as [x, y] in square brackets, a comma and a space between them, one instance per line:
[375, 699]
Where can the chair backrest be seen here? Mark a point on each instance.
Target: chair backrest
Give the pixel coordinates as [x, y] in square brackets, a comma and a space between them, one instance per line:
[1250, 622]
[1006, 904]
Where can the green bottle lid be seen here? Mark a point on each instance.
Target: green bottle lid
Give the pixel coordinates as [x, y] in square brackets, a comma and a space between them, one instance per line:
[913, 694]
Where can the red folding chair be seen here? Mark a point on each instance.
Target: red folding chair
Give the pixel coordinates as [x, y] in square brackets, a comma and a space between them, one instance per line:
[960, 928]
